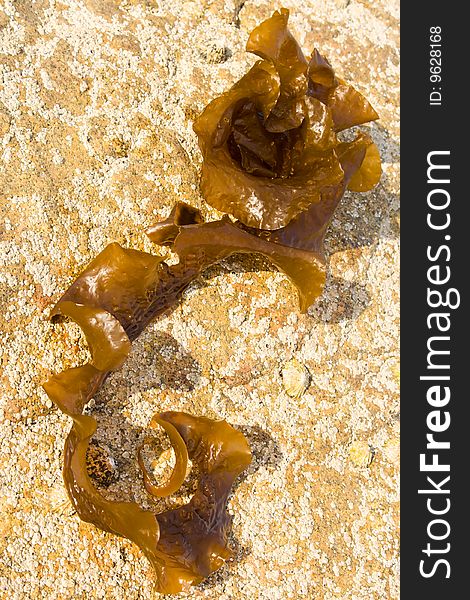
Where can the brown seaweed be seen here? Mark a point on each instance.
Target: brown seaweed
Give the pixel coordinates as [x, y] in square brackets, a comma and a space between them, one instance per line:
[269, 143]
[297, 249]
[112, 300]
[273, 162]
[185, 544]
[178, 474]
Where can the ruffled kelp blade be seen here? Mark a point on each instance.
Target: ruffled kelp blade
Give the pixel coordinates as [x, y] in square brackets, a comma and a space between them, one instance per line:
[348, 106]
[193, 537]
[297, 249]
[178, 473]
[70, 391]
[118, 281]
[186, 544]
[369, 173]
[211, 242]
[269, 155]
[108, 342]
[260, 86]
[273, 42]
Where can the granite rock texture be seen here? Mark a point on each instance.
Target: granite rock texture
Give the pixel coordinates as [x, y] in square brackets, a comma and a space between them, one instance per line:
[97, 101]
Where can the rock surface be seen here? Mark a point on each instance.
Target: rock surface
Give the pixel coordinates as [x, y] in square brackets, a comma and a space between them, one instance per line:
[97, 100]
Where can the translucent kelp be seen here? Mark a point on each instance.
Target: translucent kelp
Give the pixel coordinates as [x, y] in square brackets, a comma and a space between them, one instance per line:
[112, 301]
[269, 144]
[274, 164]
[271, 154]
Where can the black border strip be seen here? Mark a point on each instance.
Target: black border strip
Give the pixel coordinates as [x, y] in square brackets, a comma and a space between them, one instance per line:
[426, 128]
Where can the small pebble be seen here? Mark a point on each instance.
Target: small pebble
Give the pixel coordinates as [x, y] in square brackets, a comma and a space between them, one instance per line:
[295, 378]
[361, 454]
[391, 450]
[214, 53]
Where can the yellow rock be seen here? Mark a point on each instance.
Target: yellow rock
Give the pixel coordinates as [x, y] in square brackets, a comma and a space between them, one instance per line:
[361, 454]
[295, 378]
[391, 450]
